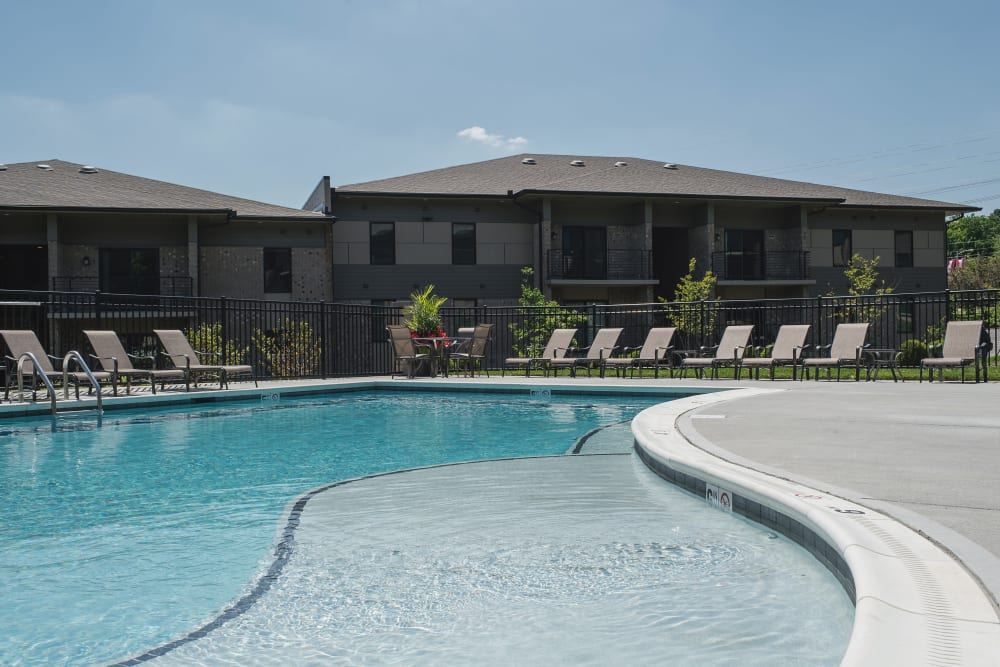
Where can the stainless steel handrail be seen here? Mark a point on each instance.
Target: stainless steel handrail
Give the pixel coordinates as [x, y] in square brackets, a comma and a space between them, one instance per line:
[73, 354]
[28, 356]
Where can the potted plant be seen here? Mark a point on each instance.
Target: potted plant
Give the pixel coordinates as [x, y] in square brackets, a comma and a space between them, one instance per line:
[423, 316]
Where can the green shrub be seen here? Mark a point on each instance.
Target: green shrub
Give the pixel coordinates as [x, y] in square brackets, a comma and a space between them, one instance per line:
[208, 338]
[292, 350]
[911, 352]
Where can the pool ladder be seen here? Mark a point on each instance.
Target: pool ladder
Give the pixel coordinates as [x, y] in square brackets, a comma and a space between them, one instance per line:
[72, 355]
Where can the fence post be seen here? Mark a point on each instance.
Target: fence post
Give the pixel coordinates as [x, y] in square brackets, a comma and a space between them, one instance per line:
[818, 323]
[324, 359]
[701, 322]
[97, 309]
[224, 316]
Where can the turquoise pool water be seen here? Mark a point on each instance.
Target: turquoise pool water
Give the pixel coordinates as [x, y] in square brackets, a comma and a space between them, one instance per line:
[118, 538]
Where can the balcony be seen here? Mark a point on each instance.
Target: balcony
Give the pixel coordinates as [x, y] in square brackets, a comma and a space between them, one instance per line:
[610, 266]
[755, 266]
[154, 285]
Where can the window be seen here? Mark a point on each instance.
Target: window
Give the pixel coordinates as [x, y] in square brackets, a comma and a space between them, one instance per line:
[842, 247]
[24, 267]
[744, 254]
[904, 248]
[463, 243]
[130, 270]
[277, 270]
[383, 243]
[585, 253]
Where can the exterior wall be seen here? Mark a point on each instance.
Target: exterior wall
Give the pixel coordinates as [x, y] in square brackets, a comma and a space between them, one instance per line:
[505, 242]
[235, 272]
[873, 235]
[310, 275]
[484, 283]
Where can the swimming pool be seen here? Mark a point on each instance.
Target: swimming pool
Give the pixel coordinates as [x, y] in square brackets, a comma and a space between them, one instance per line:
[120, 538]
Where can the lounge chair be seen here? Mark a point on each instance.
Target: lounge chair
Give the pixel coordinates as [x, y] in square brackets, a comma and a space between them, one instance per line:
[559, 343]
[846, 351]
[186, 359]
[475, 354]
[962, 346]
[603, 346]
[786, 351]
[110, 356]
[22, 342]
[405, 354]
[729, 352]
[655, 352]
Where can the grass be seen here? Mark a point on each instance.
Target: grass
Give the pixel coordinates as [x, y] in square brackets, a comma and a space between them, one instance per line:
[785, 373]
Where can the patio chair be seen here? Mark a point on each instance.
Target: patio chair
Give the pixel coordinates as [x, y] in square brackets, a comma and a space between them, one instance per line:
[729, 352]
[22, 342]
[655, 352]
[186, 359]
[559, 343]
[785, 351]
[404, 352]
[475, 354]
[846, 351]
[603, 346]
[963, 345]
[110, 356]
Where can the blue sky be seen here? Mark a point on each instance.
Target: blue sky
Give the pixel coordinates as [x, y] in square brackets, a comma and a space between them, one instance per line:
[262, 99]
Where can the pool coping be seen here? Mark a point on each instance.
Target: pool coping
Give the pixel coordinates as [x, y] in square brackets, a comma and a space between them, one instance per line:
[905, 586]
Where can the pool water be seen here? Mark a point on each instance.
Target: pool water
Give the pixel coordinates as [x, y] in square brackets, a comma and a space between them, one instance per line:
[118, 538]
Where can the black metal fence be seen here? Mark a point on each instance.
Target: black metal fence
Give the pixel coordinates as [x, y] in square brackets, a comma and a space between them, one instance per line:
[313, 339]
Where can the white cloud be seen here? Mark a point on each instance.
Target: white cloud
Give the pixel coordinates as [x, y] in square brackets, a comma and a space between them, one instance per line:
[480, 135]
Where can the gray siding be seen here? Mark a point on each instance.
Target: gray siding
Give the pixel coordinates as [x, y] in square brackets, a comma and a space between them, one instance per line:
[365, 282]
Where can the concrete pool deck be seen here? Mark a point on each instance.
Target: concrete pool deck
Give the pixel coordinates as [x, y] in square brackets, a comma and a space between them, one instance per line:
[924, 454]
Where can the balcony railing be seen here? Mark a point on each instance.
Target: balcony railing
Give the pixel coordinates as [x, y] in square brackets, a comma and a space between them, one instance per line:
[777, 265]
[155, 285]
[612, 265]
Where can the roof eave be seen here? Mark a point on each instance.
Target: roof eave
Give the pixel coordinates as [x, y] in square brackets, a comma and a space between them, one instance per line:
[228, 212]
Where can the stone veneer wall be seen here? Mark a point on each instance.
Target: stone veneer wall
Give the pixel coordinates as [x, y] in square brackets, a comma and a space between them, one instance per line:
[310, 275]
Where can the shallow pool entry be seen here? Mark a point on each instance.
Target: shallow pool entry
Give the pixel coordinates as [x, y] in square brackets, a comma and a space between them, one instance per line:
[130, 536]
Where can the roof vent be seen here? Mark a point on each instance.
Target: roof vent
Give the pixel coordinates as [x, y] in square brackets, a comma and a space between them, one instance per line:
[87, 169]
[670, 165]
[528, 160]
[44, 167]
[576, 163]
[621, 163]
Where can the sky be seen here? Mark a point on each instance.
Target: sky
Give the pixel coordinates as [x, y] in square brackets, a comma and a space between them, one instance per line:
[262, 99]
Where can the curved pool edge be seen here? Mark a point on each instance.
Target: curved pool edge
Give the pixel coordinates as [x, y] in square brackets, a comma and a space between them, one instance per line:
[914, 603]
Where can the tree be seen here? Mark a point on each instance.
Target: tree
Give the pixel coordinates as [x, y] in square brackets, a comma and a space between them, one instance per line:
[541, 317]
[693, 319]
[974, 235]
[863, 280]
[976, 273]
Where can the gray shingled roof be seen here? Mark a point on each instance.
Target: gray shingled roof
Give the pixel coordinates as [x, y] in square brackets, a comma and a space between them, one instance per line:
[553, 174]
[25, 185]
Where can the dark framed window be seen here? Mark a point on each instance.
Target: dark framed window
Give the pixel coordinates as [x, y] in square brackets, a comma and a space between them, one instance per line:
[904, 249]
[585, 253]
[383, 243]
[129, 270]
[278, 270]
[744, 254]
[463, 243]
[25, 267]
[842, 247]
